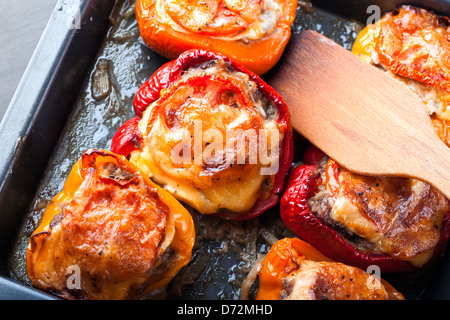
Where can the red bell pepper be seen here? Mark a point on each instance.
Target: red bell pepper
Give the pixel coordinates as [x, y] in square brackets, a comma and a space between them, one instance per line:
[301, 185]
[129, 138]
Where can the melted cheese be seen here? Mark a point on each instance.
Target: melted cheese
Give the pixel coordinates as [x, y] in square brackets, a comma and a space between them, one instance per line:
[348, 214]
[237, 193]
[436, 100]
[265, 24]
[239, 196]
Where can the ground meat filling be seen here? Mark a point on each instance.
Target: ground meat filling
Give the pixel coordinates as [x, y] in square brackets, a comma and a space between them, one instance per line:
[263, 106]
[321, 205]
[396, 216]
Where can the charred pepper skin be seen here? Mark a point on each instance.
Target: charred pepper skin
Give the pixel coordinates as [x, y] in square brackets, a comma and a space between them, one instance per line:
[301, 185]
[128, 137]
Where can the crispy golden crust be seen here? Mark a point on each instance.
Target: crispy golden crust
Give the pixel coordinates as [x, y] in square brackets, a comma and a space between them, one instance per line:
[401, 217]
[114, 233]
[114, 224]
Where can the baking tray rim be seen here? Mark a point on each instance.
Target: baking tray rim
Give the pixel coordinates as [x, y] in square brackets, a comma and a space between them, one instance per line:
[25, 104]
[31, 94]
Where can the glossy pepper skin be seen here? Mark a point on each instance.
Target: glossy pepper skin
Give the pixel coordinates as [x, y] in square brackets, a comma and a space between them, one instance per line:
[176, 34]
[301, 185]
[285, 258]
[97, 236]
[128, 138]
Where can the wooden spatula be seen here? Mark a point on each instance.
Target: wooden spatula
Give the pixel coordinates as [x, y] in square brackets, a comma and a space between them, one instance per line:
[366, 120]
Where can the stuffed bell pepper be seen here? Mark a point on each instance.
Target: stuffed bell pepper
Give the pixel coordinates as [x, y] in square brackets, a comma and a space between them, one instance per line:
[212, 133]
[294, 270]
[111, 233]
[413, 45]
[251, 32]
[397, 224]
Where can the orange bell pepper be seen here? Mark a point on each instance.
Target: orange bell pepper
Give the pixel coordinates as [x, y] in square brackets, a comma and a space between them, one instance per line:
[290, 255]
[126, 235]
[235, 29]
[442, 128]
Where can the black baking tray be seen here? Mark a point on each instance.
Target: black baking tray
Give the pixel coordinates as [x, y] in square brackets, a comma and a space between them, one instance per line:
[44, 103]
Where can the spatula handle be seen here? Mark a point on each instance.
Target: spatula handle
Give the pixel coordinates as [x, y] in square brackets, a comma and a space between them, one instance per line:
[363, 118]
